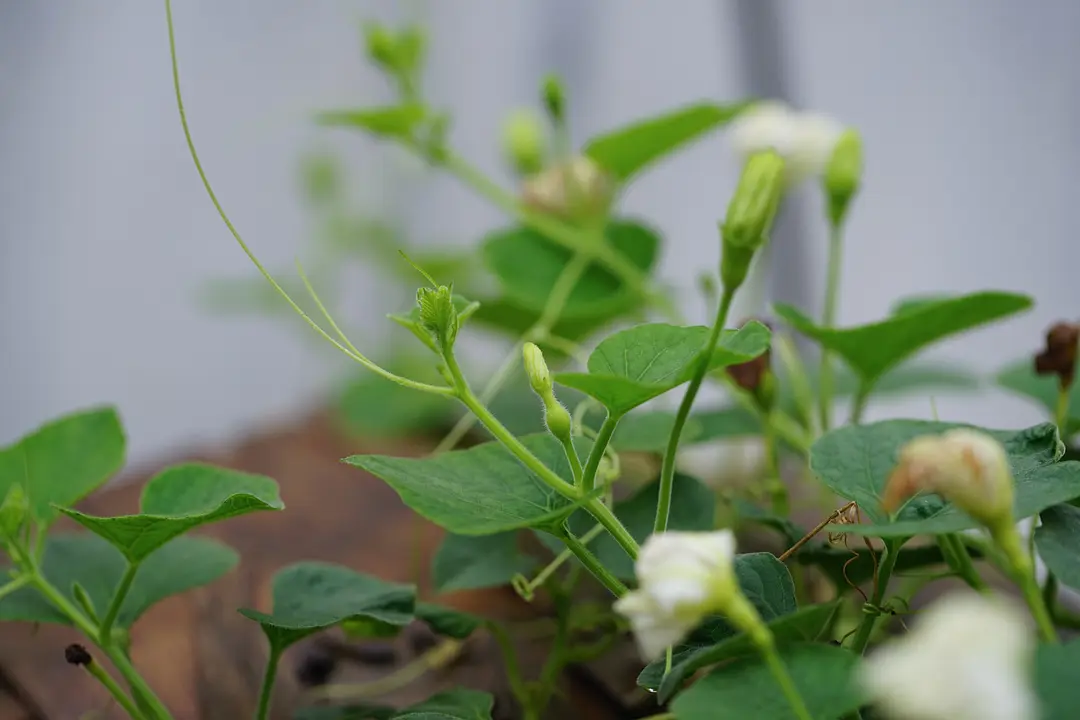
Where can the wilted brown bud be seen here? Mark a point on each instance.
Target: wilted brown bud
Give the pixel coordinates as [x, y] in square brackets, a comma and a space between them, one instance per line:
[1059, 357]
[749, 375]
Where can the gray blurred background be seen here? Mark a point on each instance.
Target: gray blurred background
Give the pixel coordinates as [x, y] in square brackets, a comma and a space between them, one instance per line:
[968, 108]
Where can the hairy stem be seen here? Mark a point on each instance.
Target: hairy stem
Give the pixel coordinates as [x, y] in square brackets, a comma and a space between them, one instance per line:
[600, 444]
[593, 565]
[266, 691]
[881, 585]
[105, 629]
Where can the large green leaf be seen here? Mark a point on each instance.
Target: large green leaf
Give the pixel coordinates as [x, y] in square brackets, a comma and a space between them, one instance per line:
[311, 596]
[855, 462]
[395, 121]
[1020, 378]
[64, 460]
[180, 499]
[465, 562]
[766, 583]
[527, 266]
[456, 704]
[628, 150]
[747, 690]
[1055, 680]
[873, 349]
[1058, 542]
[635, 365]
[183, 564]
[804, 625]
[480, 491]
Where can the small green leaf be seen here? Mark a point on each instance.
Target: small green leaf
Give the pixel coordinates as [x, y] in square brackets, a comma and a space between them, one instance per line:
[746, 689]
[766, 583]
[1055, 680]
[446, 621]
[871, 350]
[855, 462]
[180, 499]
[480, 491]
[805, 625]
[1020, 378]
[635, 365]
[648, 432]
[629, 150]
[413, 322]
[1057, 540]
[465, 562]
[397, 121]
[185, 563]
[527, 266]
[312, 596]
[456, 704]
[64, 460]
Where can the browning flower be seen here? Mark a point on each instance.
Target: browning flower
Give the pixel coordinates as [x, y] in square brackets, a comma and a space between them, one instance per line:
[1059, 356]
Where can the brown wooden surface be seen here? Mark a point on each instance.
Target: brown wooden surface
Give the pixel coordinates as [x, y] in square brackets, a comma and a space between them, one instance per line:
[205, 660]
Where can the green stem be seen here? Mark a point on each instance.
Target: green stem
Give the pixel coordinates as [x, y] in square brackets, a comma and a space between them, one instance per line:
[783, 679]
[603, 438]
[105, 629]
[511, 663]
[870, 616]
[797, 375]
[114, 689]
[774, 483]
[828, 320]
[1061, 411]
[959, 560]
[593, 565]
[786, 427]
[1049, 594]
[267, 689]
[858, 405]
[560, 559]
[567, 443]
[667, 470]
[1022, 568]
[16, 584]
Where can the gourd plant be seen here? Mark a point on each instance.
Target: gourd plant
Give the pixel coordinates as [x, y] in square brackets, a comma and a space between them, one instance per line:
[722, 635]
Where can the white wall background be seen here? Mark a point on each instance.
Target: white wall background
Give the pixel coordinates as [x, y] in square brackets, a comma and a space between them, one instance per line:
[968, 108]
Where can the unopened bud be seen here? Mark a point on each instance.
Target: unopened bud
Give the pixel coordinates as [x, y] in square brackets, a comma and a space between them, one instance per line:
[843, 174]
[575, 189]
[1059, 356]
[380, 45]
[523, 142]
[557, 419]
[554, 98]
[536, 369]
[750, 215]
[13, 512]
[968, 468]
[438, 315]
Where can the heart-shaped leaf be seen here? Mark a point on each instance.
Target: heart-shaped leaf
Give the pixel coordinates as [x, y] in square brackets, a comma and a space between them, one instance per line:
[805, 625]
[635, 365]
[1058, 542]
[312, 596]
[629, 150]
[183, 564]
[64, 460]
[1020, 378]
[456, 704]
[855, 462]
[395, 121]
[871, 350]
[180, 499]
[527, 267]
[747, 690]
[480, 491]
[465, 562]
[766, 583]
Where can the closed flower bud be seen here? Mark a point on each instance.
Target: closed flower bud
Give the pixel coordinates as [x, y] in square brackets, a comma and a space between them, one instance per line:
[968, 657]
[554, 98]
[843, 174]
[536, 369]
[438, 315]
[380, 45]
[575, 189]
[682, 577]
[968, 468]
[752, 208]
[523, 142]
[557, 419]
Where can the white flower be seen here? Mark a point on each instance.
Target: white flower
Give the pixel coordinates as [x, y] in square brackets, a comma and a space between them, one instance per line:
[968, 658]
[966, 467]
[805, 140]
[682, 576]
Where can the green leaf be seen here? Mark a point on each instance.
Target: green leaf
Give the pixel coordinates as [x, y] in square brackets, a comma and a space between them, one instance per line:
[465, 562]
[635, 365]
[855, 462]
[1055, 680]
[728, 423]
[456, 704]
[312, 596]
[412, 321]
[1058, 540]
[179, 499]
[766, 583]
[805, 625]
[480, 491]
[185, 563]
[64, 460]
[648, 432]
[871, 350]
[527, 266]
[396, 121]
[628, 150]
[446, 621]
[1020, 378]
[13, 513]
[747, 690]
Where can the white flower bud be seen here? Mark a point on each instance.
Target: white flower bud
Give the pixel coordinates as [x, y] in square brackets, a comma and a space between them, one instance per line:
[968, 657]
[968, 468]
[805, 140]
[682, 577]
[574, 189]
